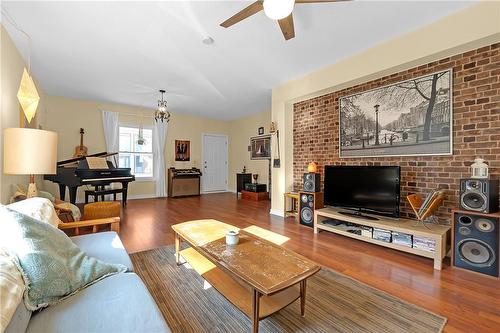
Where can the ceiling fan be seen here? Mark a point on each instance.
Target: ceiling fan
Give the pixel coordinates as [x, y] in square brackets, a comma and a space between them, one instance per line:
[279, 10]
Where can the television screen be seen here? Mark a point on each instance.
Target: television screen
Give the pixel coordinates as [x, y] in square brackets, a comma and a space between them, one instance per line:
[372, 189]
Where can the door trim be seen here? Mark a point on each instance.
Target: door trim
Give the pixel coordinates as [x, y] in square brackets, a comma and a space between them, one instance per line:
[203, 135]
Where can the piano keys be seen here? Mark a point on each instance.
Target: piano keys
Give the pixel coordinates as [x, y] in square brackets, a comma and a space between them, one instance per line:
[75, 172]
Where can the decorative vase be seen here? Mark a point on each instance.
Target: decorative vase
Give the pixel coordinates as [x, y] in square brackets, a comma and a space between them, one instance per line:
[312, 167]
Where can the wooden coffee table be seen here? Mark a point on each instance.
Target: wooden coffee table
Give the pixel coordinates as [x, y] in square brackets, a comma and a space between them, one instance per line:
[256, 275]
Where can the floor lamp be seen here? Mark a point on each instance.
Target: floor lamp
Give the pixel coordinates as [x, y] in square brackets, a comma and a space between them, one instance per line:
[30, 152]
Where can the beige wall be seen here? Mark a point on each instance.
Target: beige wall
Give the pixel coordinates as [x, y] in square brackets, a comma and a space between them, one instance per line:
[12, 66]
[240, 132]
[67, 115]
[469, 29]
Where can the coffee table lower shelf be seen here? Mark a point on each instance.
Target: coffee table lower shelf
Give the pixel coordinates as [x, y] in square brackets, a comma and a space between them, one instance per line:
[236, 293]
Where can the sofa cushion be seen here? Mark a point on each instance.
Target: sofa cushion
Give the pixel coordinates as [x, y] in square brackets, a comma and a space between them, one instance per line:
[105, 246]
[53, 266]
[11, 289]
[119, 303]
[20, 320]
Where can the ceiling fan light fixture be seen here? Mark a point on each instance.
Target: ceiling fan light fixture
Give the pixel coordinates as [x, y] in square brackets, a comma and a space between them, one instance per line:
[278, 9]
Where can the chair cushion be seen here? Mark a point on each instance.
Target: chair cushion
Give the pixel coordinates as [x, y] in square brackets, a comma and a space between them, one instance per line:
[105, 246]
[38, 208]
[119, 303]
[53, 266]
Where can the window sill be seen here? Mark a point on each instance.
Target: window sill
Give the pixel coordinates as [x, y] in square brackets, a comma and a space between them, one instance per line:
[144, 179]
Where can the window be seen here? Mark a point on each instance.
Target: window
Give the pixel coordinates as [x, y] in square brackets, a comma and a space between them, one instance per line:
[139, 158]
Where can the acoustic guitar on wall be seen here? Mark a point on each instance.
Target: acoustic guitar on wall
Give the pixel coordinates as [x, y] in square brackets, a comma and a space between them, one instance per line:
[81, 150]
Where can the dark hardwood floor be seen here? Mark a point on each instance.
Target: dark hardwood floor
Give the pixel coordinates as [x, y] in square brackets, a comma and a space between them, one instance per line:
[470, 302]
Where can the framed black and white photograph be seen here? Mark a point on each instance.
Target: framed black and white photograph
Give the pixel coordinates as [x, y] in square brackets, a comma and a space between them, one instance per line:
[261, 131]
[412, 117]
[260, 147]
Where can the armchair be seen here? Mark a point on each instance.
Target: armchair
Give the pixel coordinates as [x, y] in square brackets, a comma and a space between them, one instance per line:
[94, 215]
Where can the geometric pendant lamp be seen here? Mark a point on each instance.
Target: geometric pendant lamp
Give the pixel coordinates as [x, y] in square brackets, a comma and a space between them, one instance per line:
[28, 96]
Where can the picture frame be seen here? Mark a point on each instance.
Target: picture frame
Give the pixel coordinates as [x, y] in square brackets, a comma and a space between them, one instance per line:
[260, 147]
[261, 131]
[408, 118]
[182, 150]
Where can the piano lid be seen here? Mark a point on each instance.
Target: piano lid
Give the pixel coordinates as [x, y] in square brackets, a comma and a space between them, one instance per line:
[76, 159]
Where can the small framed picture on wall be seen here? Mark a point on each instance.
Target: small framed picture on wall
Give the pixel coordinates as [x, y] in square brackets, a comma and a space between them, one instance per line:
[260, 147]
[182, 150]
[261, 130]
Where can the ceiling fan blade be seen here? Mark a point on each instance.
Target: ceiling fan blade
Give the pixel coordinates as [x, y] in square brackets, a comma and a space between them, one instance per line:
[318, 1]
[243, 14]
[286, 26]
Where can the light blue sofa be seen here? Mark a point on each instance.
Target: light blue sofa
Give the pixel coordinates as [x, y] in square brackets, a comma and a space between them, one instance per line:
[119, 303]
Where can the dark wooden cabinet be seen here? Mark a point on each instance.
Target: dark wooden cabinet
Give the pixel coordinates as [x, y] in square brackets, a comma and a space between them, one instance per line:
[241, 180]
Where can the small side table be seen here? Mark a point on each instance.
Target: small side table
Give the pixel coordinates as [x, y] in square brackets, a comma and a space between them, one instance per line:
[291, 204]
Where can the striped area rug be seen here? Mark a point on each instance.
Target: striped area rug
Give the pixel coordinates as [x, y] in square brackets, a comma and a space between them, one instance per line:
[335, 303]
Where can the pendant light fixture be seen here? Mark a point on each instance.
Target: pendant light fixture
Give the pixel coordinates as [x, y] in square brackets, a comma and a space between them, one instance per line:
[162, 113]
[27, 95]
[140, 137]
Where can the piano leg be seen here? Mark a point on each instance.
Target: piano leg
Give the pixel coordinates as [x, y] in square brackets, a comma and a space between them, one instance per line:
[72, 194]
[62, 192]
[124, 193]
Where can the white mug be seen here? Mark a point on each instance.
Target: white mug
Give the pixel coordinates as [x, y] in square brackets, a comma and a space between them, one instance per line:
[232, 237]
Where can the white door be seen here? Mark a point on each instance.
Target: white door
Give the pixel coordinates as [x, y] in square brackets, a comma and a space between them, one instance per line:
[214, 164]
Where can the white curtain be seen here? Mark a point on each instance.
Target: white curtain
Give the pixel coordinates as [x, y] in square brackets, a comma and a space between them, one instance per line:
[111, 129]
[159, 139]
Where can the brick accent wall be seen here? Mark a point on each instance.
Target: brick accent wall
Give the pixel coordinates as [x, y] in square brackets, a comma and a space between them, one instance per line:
[476, 129]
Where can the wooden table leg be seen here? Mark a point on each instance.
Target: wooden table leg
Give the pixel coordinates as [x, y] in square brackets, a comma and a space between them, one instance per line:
[302, 298]
[255, 308]
[177, 249]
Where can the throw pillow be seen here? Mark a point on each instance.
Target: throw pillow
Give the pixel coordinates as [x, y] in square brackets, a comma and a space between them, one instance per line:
[38, 208]
[53, 266]
[11, 289]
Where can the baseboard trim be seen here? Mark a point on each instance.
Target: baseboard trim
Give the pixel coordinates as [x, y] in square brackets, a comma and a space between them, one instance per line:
[276, 212]
[142, 196]
[129, 197]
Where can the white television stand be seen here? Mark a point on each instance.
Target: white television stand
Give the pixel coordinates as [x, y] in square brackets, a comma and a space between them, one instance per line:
[439, 233]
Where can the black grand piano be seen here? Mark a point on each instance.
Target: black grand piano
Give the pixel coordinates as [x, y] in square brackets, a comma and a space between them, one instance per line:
[75, 172]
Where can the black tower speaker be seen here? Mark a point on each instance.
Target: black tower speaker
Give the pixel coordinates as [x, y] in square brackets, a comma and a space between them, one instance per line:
[312, 182]
[308, 202]
[479, 195]
[476, 242]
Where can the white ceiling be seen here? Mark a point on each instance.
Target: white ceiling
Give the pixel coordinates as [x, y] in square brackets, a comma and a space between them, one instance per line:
[123, 52]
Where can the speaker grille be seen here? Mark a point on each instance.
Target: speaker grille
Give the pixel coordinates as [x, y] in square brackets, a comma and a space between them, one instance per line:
[307, 215]
[476, 252]
[309, 186]
[474, 201]
[484, 225]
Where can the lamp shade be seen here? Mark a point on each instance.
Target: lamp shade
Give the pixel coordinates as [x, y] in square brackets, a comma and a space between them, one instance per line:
[28, 96]
[29, 151]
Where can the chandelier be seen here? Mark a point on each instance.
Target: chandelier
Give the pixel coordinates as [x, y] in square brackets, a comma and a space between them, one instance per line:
[162, 113]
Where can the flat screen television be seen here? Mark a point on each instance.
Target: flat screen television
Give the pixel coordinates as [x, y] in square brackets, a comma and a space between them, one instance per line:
[370, 189]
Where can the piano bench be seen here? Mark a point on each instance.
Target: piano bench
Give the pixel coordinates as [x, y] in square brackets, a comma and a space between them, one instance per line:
[102, 193]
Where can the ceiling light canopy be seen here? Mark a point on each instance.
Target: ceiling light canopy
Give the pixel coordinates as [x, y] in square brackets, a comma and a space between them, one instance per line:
[278, 9]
